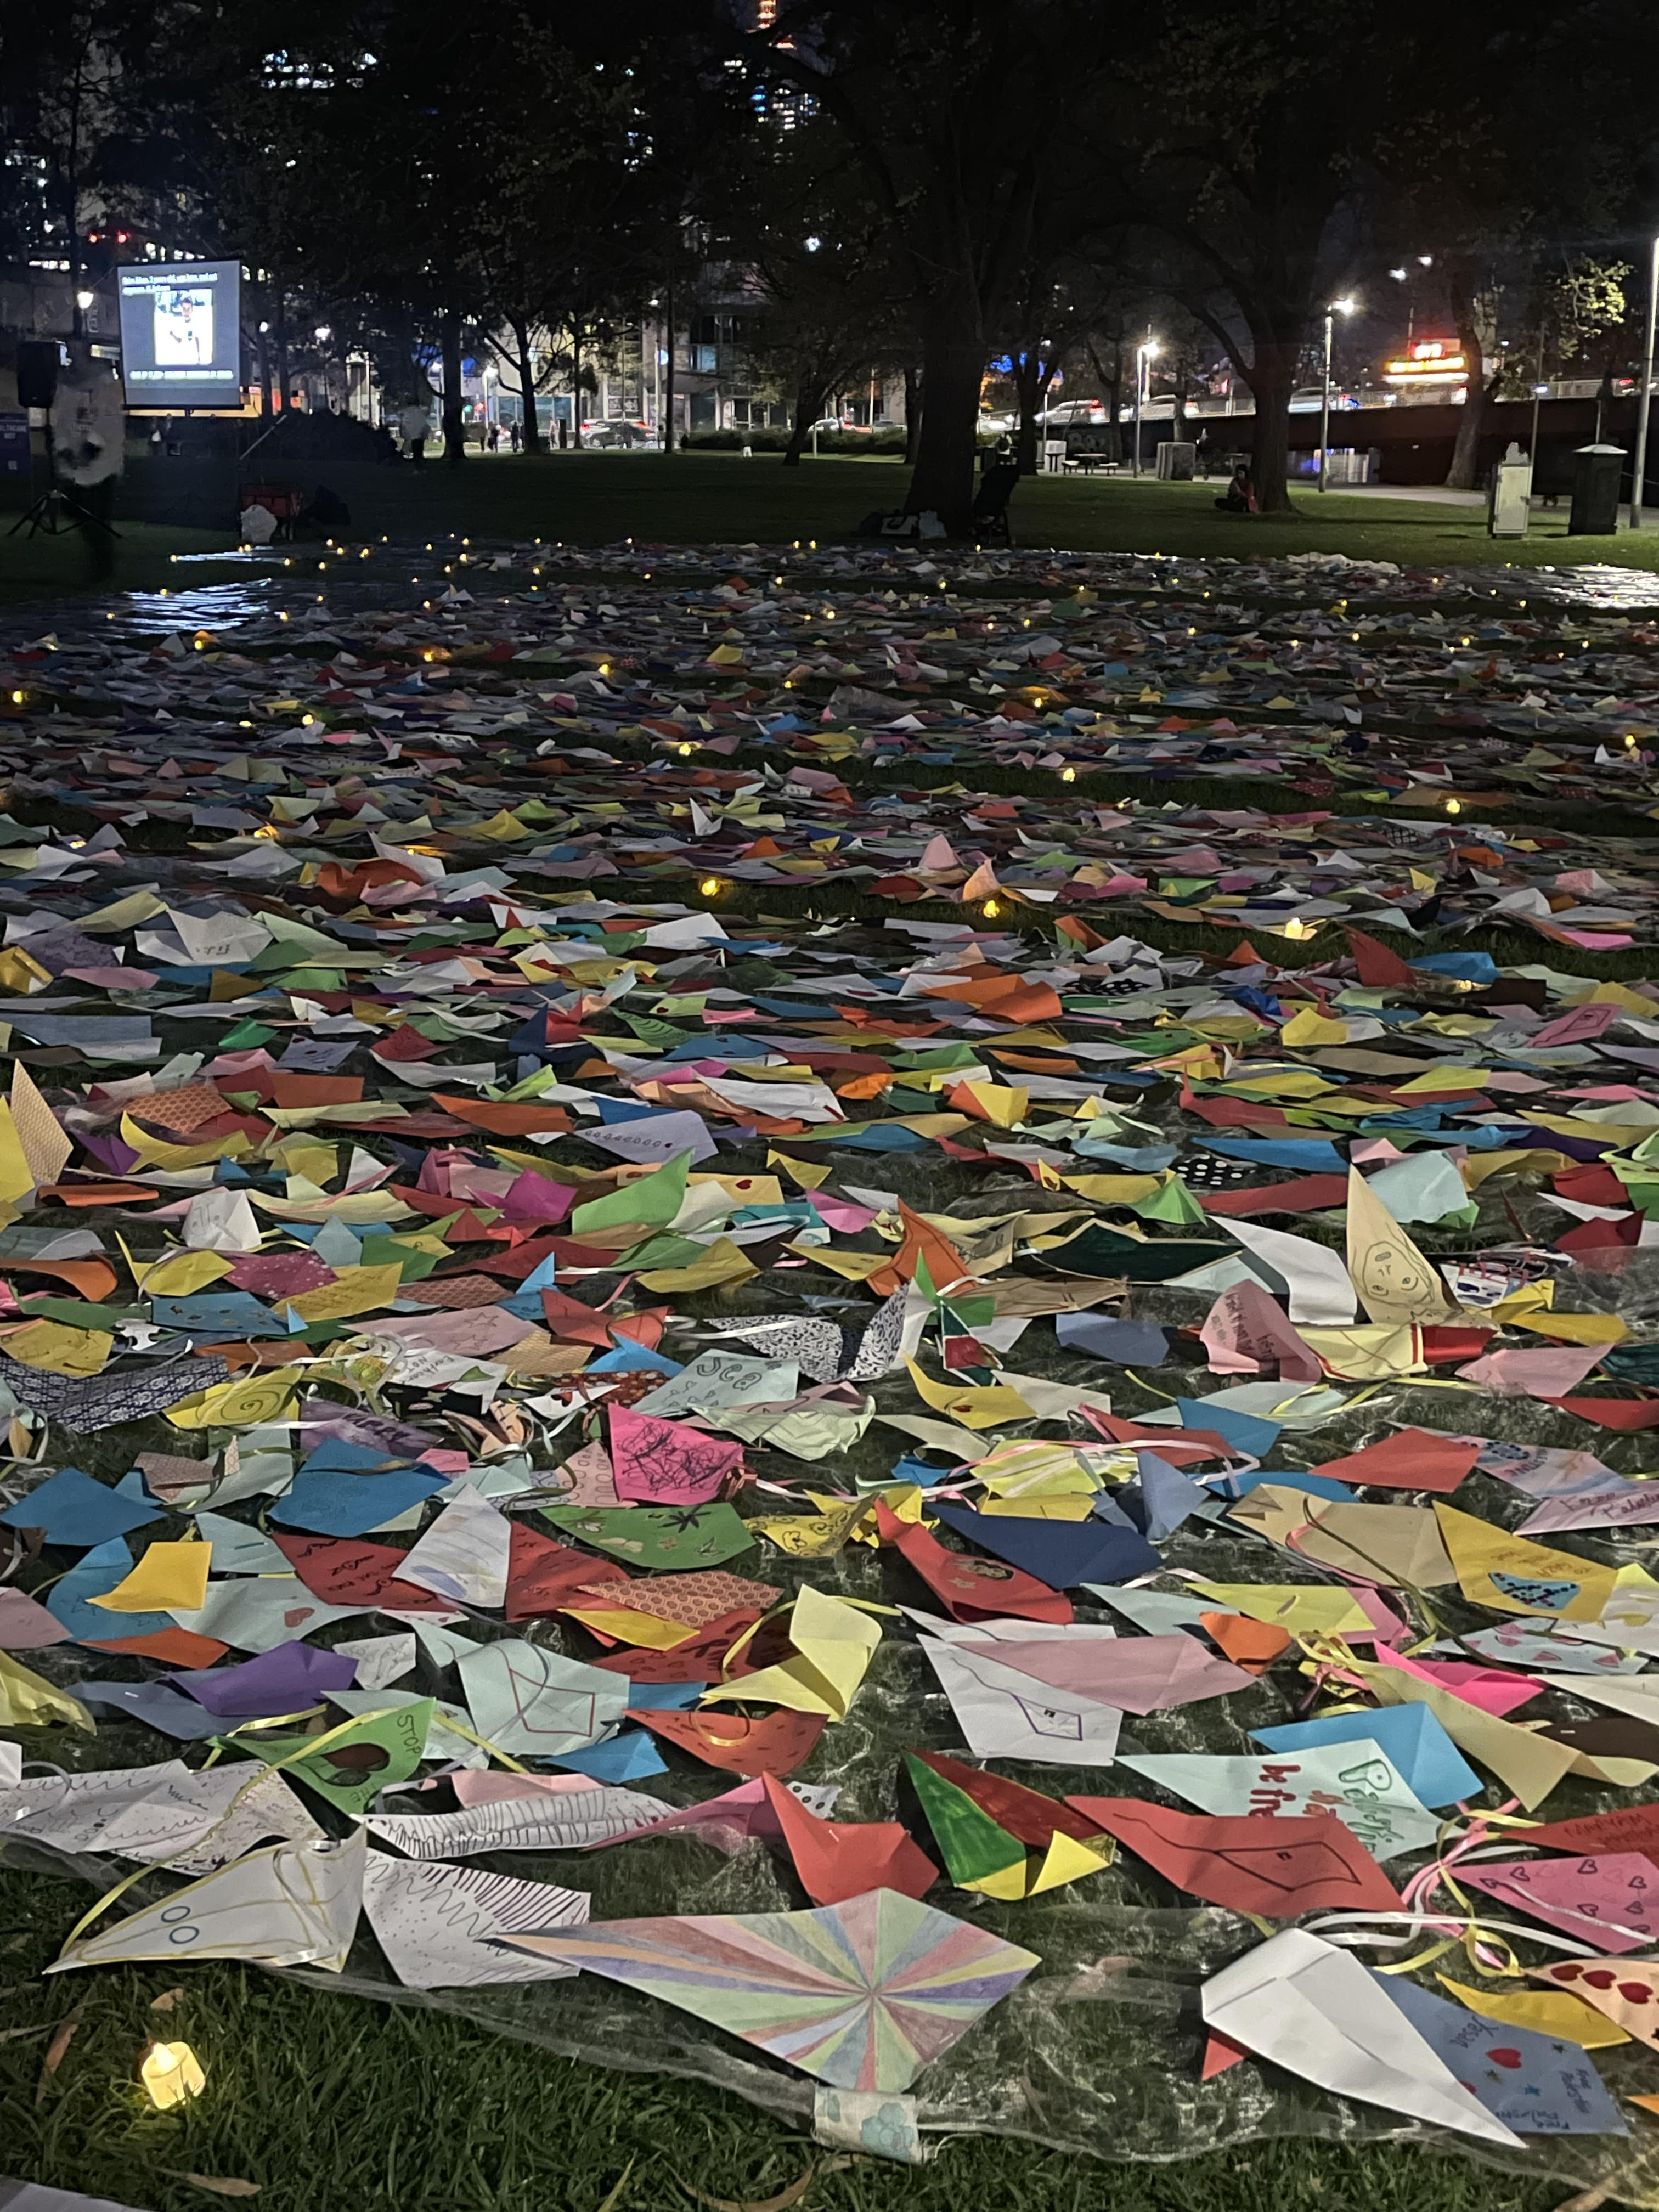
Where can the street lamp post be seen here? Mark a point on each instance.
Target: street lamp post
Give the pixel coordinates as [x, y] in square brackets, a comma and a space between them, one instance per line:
[1337, 307]
[1647, 391]
[1146, 351]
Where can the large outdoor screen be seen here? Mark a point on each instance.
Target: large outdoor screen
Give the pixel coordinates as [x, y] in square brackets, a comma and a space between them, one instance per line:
[181, 334]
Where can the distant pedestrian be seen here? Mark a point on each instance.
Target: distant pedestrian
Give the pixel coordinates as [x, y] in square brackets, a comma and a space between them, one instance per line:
[1241, 492]
[493, 436]
[1201, 454]
[512, 435]
[414, 424]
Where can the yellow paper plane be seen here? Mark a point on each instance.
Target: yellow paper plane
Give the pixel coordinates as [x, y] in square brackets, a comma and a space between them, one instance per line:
[834, 1642]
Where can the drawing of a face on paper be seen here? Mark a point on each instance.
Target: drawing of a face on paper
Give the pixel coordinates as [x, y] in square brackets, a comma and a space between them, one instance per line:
[295, 1905]
[1395, 1282]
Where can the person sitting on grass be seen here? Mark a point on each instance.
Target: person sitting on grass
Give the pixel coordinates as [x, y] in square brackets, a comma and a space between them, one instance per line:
[1240, 497]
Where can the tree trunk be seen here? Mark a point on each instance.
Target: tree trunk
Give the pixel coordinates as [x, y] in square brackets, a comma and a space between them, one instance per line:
[1112, 385]
[450, 345]
[809, 405]
[1466, 451]
[1272, 380]
[1028, 389]
[263, 351]
[943, 477]
[532, 428]
[913, 404]
[287, 395]
[1178, 425]
[1604, 401]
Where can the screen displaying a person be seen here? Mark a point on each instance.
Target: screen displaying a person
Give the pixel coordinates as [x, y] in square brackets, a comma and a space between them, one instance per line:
[184, 329]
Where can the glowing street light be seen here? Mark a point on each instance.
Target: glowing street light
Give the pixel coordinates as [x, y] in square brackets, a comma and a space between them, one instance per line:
[1148, 350]
[1337, 307]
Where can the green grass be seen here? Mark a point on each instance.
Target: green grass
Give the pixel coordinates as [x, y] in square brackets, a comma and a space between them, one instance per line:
[687, 498]
[333, 2103]
[594, 499]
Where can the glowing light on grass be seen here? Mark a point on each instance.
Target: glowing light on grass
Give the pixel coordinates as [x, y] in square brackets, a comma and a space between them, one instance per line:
[171, 2075]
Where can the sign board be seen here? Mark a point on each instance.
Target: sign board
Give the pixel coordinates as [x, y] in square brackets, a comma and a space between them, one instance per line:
[181, 333]
[14, 455]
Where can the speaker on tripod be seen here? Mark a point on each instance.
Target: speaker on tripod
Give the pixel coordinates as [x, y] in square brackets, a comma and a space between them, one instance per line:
[84, 433]
[38, 362]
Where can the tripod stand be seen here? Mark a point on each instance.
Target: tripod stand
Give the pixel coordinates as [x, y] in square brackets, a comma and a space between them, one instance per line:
[57, 510]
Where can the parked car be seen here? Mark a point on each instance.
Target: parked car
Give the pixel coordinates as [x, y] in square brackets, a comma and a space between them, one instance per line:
[841, 423]
[616, 434]
[1074, 410]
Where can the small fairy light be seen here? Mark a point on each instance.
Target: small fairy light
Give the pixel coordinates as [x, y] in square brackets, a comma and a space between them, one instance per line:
[1069, 776]
[1296, 928]
[1453, 806]
[171, 2075]
[991, 910]
[685, 752]
[19, 698]
[711, 887]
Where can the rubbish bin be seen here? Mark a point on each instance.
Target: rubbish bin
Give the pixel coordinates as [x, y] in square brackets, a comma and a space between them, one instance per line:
[1509, 498]
[1597, 471]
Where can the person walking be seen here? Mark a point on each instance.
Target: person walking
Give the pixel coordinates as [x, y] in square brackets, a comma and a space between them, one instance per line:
[512, 435]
